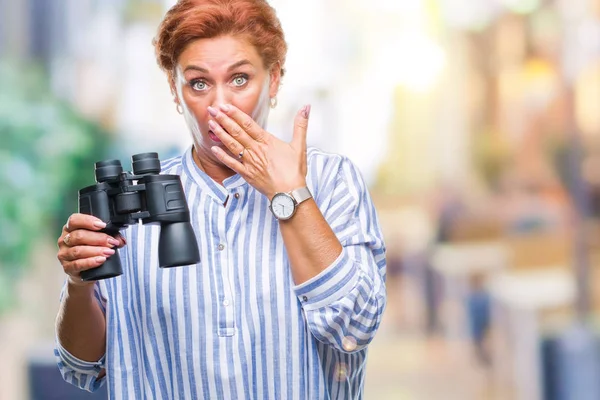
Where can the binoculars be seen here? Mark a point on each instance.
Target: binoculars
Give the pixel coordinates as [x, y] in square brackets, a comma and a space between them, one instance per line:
[121, 198]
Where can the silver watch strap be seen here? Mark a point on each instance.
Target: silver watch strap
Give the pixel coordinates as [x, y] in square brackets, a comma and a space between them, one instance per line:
[301, 194]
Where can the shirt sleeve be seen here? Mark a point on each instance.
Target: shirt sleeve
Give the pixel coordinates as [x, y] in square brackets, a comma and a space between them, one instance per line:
[83, 374]
[343, 305]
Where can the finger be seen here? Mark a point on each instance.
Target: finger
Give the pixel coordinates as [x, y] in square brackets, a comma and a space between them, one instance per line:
[82, 252]
[83, 221]
[246, 122]
[73, 268]
[231, 127]
[84, 237]
[301, 127]
[226, 159]
[121, 239]
[233, 145]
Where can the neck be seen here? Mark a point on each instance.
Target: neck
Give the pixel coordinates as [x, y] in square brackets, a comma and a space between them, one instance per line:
[216, 171]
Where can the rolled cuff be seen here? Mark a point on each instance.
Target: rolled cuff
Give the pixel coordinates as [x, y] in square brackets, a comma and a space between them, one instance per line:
[330, 285]
[77, 365]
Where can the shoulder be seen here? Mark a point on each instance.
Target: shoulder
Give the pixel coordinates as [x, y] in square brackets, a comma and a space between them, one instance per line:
[333, 177]
[171, 165]
[316, 155]
[324, 166]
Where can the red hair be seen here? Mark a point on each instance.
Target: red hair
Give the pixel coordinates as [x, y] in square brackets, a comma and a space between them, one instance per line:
[189, 20]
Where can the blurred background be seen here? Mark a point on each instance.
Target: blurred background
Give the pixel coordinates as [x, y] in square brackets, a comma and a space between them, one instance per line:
[476, 124]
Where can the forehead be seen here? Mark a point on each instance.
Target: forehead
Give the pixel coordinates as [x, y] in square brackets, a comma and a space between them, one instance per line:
[219, 53]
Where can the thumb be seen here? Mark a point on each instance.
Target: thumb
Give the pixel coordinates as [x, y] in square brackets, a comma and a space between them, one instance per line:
[301, 127]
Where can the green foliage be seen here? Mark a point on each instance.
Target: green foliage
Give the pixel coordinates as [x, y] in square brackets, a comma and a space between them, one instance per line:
[47, 153]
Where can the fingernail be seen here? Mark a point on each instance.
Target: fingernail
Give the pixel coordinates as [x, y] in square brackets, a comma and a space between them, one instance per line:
[113, 242]
[212, 111]
[100, 259]
[99, 224]
[108, 252]
[306, 111]
[225, 108]
[212, 125]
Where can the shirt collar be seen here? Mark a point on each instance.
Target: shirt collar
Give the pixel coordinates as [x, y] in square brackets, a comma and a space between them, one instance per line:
[206, 183]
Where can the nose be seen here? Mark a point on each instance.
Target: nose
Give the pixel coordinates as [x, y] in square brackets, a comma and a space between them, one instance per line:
[222, 96]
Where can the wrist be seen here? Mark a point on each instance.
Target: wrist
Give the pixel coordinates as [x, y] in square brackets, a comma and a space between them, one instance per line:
[77, 287]
[286, 188]
[284, 204]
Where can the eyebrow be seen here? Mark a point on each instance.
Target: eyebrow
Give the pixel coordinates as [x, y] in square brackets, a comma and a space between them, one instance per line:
[231, 67]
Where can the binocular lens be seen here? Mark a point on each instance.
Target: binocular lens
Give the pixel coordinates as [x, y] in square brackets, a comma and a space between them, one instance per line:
[177, 245]
[107, 170]
[145, 163]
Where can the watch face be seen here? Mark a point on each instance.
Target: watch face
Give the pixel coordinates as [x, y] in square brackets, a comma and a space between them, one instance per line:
[283, 206]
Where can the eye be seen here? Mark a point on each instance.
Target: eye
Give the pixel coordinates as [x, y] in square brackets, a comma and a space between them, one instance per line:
[240, 80]
[198, 85]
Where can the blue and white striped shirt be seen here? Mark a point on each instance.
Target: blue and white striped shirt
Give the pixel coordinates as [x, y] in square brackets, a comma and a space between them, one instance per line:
[235, 326]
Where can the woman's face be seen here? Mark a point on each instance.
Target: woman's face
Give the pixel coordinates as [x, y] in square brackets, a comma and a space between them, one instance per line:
[222, 70]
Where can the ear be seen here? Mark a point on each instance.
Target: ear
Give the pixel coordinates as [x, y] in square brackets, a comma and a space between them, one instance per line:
[173, 87]
[275, 74]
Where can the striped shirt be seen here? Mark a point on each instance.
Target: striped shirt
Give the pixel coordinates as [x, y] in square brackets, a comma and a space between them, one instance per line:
[235, 326]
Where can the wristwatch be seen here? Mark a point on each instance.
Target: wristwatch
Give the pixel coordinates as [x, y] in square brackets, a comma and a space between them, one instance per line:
[284, 205]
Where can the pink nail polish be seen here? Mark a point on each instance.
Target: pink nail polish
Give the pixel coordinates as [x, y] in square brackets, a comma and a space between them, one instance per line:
[213, 112]
[212, 125]
[306, 111]
[225, 108]
[108, 252]
[99, 224]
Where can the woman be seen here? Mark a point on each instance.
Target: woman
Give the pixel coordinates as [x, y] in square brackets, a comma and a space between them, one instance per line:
[290, 288]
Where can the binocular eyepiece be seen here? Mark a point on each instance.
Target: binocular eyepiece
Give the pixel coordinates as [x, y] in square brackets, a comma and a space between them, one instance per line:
[119, 202]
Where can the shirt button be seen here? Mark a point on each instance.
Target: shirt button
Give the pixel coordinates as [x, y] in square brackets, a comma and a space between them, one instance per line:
[304, 298]
[221, 246]
[226, 303]
[237, 195]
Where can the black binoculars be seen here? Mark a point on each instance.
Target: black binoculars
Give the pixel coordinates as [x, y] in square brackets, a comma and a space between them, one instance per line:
[122, 198]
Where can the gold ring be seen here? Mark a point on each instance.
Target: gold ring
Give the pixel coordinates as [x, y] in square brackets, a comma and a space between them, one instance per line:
[67, 239]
